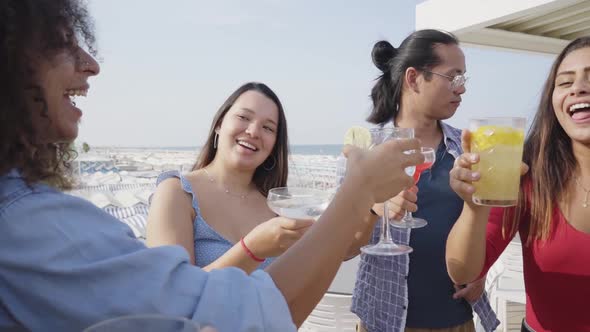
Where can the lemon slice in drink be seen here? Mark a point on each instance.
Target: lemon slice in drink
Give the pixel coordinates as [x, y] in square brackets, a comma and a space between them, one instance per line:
[358, 136]
[486, 137]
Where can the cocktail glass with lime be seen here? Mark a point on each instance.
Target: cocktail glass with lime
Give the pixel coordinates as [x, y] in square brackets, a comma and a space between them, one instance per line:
[365, 138]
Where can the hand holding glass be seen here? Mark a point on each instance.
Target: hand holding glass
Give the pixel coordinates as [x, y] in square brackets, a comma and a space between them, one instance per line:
[386, 246]
[297, 202]
[499, 143]
[408, 221]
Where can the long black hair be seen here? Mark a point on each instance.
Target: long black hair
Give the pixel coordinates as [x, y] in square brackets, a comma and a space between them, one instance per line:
[417, 51]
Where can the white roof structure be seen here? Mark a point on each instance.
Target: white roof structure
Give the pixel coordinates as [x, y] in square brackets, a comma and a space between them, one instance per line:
[544, 26]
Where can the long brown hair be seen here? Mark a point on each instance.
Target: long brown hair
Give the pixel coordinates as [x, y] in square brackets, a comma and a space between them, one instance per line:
[548, 152]
[275, 169]
[29, 29]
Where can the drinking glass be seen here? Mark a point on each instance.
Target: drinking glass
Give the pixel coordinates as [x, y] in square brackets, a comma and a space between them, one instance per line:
[409, 221]
[298, 202]
[147, 323]
[386, 246]
[499, 143]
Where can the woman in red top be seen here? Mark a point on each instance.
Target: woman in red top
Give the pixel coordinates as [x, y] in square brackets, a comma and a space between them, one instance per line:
[552, 216]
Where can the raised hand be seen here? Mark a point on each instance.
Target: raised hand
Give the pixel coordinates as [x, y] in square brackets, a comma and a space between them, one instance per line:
[272, 237]
[462, 176]
[405, 200]
[380, 171]
[470, 292]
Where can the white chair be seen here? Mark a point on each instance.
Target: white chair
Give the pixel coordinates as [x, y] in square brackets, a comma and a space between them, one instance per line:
[505, 287]
[138, 224]
[331, 314]
[126, 197]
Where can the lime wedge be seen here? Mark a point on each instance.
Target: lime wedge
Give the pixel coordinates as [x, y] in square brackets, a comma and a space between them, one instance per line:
[358, 136]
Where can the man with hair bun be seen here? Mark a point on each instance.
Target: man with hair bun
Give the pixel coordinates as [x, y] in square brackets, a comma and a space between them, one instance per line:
[420, 86]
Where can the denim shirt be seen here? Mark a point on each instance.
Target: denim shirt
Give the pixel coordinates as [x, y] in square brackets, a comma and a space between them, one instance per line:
[380, 297]
[65, 264]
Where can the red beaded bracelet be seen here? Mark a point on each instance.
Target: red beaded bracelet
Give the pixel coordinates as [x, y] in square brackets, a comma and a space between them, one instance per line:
[249, 252]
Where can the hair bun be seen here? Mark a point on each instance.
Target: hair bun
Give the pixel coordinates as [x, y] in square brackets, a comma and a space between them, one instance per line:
[382, 53]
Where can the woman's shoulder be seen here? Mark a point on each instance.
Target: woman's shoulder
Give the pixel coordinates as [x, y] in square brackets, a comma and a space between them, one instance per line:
[167, 183]
[172, 174]
[177, 181]
[175, 190]
[174, 181]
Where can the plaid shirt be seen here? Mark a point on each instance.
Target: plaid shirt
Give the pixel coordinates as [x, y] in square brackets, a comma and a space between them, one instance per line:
[380, 296]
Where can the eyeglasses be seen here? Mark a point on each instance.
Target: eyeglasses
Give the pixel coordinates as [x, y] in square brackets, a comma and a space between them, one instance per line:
[456, 81]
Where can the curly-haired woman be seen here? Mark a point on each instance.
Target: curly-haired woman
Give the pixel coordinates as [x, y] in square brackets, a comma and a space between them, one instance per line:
[65, 264]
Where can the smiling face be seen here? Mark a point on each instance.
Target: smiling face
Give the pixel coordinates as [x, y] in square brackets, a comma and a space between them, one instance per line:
[61, 78]
[571, 95]
[248, 132]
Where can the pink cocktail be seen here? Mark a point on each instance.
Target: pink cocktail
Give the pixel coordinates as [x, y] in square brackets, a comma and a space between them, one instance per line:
[408, 221]
[421, 168]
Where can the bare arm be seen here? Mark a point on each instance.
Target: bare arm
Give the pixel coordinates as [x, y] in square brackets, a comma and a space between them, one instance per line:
[466, 245]
[170, 222]
[323, 254]
[406, 200]
[372, 176]
[305, 302]
[170, 219]
[362, 236]
[269, 239]
[237, 257]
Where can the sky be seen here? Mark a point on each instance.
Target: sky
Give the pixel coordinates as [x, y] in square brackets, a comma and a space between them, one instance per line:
[167, 66]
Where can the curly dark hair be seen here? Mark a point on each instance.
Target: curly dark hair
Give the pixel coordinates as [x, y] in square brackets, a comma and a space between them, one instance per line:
[32, 29]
